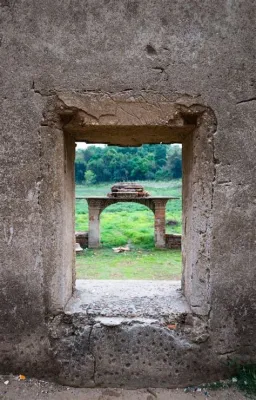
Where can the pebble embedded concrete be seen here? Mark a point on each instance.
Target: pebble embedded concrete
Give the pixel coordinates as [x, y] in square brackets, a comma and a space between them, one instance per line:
[132, 299]
[128, 333]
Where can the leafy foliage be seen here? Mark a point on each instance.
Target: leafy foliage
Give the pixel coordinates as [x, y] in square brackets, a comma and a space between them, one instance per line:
[113, 163]
[90, 177]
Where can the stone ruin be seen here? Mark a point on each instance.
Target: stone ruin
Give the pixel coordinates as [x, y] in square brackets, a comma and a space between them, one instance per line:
[127, 190]
[162, 72]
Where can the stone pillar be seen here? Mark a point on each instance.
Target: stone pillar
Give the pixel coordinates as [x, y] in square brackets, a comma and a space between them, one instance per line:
[160, 206]
[94, 225]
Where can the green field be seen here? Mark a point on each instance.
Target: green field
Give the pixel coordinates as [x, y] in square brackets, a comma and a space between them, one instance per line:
[136, 264]
[131, 223]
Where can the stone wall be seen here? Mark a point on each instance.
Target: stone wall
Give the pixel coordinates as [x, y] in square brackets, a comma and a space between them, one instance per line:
[184, 55]
[82, 239]
[173, 241]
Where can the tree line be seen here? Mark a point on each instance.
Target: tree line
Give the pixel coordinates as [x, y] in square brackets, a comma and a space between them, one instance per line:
[97, 164]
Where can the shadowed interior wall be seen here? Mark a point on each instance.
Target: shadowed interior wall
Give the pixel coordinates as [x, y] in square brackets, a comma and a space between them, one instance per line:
[198, 180]
[57, 205]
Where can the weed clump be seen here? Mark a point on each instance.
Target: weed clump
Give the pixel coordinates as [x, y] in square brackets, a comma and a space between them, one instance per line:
[246, 378]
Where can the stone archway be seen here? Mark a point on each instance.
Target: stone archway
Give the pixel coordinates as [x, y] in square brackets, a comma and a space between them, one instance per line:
[97, 204]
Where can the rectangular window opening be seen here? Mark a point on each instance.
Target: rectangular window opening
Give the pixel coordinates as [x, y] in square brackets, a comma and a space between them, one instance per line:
[128, 236]
[138, 122]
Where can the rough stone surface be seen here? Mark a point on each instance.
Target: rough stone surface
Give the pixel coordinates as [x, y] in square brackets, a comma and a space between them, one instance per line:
[157, 300]
[145, 71]
[84, 117]
[112, 331]
[43, 390]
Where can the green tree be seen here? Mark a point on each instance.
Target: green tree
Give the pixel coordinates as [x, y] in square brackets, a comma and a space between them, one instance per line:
[174, 162]
[113, 163]
[160, 155]
[80, 169]
[90, 177]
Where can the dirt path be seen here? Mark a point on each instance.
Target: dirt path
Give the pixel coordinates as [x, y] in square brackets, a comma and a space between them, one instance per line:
[40, 390]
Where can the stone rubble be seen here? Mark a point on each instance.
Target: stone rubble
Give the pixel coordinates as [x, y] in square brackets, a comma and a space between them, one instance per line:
[127, 189]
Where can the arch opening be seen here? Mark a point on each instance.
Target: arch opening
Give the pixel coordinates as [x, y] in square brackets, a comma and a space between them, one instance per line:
[127, 223]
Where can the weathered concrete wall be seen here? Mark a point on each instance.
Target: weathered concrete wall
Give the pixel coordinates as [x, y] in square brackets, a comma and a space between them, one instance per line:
[183, 50]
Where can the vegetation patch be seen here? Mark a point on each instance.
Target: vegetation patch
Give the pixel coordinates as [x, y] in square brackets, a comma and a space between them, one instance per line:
[133, 224]
[136, 264]
[97, 164]
[246, 379]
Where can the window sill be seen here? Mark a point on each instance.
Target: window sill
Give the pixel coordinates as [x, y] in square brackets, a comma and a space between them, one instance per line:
[114, 302]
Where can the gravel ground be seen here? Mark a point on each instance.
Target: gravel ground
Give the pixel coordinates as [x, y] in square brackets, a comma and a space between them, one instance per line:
[11, 388]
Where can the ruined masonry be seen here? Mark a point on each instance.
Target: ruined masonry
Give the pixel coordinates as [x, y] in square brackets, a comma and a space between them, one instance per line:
[126, 192]
[127, 73]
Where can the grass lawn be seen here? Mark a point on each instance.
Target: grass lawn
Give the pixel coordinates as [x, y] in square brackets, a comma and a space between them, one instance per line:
[131, 223]
[136, 264]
